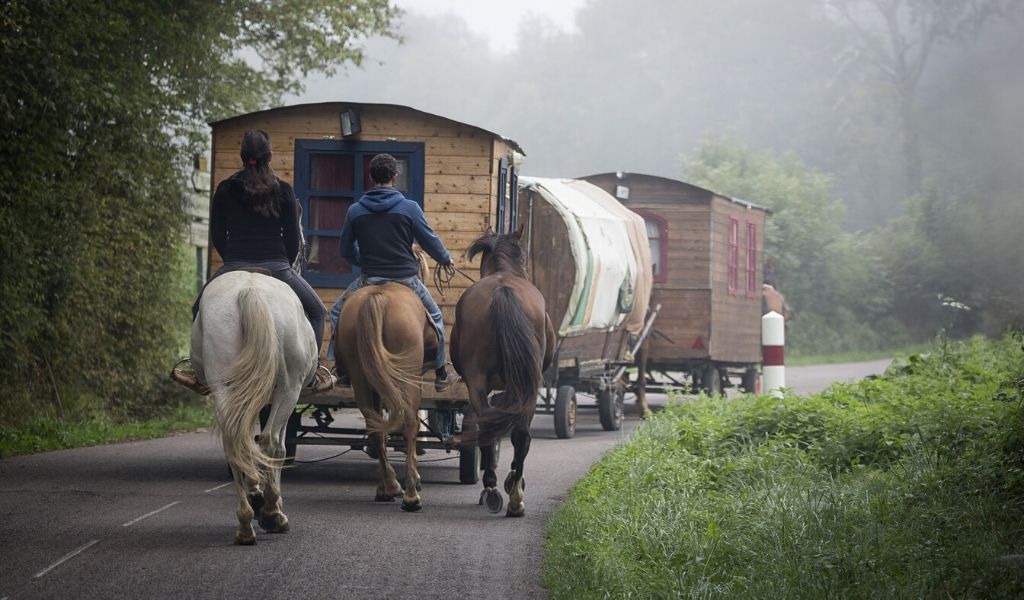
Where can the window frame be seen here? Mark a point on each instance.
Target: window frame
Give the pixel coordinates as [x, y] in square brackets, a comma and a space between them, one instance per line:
[413, 152]
[662, 224]
[733, 257]
[751, 260]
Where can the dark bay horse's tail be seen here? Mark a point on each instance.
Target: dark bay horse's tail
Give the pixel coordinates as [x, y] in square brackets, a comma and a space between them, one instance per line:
[380, 366]
[519, 357]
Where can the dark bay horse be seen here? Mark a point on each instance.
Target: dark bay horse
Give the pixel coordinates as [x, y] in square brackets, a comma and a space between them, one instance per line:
[382, 333]
[502, 340]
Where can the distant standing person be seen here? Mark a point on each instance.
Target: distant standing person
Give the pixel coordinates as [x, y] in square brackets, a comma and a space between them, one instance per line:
[773, 300]
[378, 234]
[254, 222]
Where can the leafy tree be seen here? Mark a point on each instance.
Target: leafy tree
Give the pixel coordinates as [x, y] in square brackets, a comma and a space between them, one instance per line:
[834, 280]
[101, 106]
[896, 38]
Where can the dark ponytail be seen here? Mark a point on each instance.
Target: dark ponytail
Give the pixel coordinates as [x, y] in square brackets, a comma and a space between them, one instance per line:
[262, 189]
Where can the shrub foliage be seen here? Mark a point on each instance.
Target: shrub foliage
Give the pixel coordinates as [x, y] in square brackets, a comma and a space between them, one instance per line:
[908, 485]
[102, 104]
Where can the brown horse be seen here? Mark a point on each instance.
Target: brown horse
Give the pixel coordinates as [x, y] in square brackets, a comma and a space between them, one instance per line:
[381, 337]
[502, 340]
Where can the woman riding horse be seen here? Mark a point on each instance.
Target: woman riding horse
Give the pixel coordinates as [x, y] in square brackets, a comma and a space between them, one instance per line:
[254, 224]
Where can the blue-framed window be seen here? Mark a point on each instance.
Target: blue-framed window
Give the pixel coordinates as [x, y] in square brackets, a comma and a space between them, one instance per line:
[507, 217]
[329, 176]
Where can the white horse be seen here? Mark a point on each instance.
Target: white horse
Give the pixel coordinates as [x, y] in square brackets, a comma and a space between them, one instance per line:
[252, 345]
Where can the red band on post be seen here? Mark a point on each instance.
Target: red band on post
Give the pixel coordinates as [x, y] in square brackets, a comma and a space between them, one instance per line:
[773, 356]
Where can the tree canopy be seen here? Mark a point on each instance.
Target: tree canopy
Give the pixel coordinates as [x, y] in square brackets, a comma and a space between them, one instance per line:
[103, 104]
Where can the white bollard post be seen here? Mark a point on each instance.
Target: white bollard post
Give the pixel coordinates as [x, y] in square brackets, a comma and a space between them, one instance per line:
[773, 340]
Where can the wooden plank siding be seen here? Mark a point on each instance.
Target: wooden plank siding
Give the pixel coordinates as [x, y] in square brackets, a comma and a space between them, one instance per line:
[695, 301]
[459, 179]
[736, 316]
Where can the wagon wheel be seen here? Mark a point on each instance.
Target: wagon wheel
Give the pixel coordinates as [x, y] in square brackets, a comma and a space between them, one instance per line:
[290, 432]
[711, 381]
[610, 407]
[749, 382]
[565, 412]
[469, 464]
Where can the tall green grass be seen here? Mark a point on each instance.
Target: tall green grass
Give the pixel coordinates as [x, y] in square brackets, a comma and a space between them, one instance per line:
[909, 485]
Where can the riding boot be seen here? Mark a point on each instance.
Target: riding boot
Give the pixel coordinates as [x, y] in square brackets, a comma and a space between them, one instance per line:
[322, 381]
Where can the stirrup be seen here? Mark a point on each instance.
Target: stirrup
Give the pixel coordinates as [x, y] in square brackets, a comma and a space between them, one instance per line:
[323, 381]
[187, 378]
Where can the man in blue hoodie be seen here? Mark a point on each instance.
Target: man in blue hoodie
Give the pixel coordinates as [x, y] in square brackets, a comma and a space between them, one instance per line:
[378, 234]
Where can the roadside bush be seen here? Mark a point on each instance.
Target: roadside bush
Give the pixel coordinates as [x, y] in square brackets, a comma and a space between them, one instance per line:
[908, 485]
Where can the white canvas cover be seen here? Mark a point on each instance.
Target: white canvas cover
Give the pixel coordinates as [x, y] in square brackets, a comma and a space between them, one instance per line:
[610, 249]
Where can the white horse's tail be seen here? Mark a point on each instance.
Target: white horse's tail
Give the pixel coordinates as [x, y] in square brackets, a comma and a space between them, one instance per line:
[249, 384]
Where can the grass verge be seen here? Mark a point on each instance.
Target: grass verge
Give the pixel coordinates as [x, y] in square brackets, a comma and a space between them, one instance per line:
[49, 433]
[909, 485]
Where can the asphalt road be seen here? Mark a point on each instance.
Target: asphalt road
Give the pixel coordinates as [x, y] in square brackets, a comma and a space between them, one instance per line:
[155, 519]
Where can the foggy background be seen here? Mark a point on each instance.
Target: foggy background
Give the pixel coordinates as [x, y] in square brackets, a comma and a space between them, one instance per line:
[615, 85]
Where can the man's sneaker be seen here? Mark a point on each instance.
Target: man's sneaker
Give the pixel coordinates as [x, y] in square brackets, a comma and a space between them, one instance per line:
[188, 379]
[323, 381]
[442, 380]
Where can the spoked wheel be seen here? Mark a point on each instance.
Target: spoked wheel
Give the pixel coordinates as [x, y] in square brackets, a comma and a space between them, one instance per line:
[469, 464]
[749, 381]
[290, 433]
[711, 381]
[611, 407]
[565, 412]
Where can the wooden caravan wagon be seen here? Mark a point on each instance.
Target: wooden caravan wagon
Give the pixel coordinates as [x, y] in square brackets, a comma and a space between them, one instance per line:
[588, 256]
[707, 252]
[463, 177]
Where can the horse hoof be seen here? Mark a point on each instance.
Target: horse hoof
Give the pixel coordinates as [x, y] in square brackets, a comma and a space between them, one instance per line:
[240, 541]
[494, 500]
[383, 498]
[521, 512]
[510, 481]
[275, 524]
[412, 506]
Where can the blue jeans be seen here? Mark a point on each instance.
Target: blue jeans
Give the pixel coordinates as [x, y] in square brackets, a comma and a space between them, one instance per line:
[413, 283]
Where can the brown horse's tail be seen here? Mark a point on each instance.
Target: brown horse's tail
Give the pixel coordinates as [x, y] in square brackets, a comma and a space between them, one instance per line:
[519, 357]
[380, 366]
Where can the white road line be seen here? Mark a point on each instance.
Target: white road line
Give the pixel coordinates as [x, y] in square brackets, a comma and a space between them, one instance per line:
[205, 492]
[150, 514]
[68, 556]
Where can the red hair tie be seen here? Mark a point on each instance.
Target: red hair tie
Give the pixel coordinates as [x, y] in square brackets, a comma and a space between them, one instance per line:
[252, 162]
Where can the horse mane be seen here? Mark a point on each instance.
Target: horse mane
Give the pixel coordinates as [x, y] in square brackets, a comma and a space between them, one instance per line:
[503, 248]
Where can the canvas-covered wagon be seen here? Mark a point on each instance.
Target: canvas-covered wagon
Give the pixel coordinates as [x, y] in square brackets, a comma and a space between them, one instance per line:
[589, 257]
[707, 251]
[461, 175]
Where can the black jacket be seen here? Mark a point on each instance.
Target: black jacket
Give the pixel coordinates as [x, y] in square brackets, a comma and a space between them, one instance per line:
[241, 234]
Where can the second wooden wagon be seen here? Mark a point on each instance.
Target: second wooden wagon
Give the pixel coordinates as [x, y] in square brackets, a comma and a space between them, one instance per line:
[707, 251]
